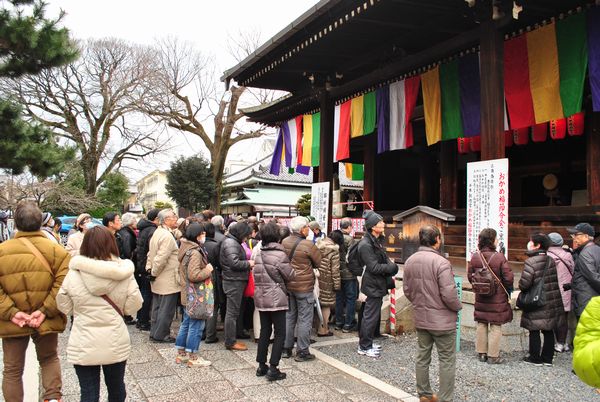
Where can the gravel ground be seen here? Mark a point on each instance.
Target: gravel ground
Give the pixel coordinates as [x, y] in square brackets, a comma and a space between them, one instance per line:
[475, 381]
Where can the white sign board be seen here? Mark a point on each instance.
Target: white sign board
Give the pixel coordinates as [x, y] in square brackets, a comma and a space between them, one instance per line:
[487, 202]
[319, 203]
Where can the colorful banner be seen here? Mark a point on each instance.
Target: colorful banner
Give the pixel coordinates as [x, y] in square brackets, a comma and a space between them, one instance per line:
[311, 137]
[572, 61]
[357, 117]
[450, 93]
[355, 171]
[402, 101]
[383, 119]
[593, 37]
[277, 154]
[369, 112]
[470, 94]
[432, 105]
[341, 131]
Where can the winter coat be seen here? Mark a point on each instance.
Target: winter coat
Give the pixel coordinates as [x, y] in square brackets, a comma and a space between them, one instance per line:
[329, 271]
[379, 269]
[50, 235]
[551, 315]
[494, 309]
[586, 276]
[146, 229]
[99, 334]
[74, 243]
[197, 268]
[271, 274]
[128, 243]
[26, 285]
[429, 285]
[306, 258]
[586, 355]
[234, 265]
[345, 273]
[564, 268]
[162, 262]
[213, 249]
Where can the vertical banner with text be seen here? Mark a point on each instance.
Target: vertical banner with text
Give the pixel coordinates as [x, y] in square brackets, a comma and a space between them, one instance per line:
[319, 203]
[487, 202]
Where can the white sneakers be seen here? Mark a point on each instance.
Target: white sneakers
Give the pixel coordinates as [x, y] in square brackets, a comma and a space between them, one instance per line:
[373, 353]
[198, 362]
[561, 347]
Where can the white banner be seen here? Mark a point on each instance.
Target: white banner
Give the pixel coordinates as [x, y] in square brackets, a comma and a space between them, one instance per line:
[487, 202]
[319, 202]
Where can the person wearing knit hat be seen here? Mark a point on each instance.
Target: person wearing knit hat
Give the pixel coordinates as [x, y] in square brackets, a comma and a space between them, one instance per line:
[48, 227]
[376, 280]
[564, 270]
[315, 228]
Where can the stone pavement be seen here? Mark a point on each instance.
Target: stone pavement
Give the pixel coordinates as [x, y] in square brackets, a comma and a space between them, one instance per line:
[152, 375]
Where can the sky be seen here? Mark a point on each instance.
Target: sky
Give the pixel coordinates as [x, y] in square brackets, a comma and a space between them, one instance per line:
[209, 25]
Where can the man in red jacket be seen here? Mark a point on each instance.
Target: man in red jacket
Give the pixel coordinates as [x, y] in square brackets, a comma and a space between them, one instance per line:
[429, 285]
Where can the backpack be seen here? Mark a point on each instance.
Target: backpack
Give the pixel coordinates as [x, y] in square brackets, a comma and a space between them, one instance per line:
[355, 266]
[483, 279]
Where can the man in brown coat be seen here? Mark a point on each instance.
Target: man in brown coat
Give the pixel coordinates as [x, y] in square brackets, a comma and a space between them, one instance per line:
[304, 257]
[429, 285]
[32, 269]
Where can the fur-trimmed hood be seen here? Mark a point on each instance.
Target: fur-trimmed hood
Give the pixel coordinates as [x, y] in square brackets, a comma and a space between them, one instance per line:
[101, 276]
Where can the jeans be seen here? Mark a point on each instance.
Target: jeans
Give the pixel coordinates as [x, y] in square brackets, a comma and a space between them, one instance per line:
[445, 342]
[14, 362]
[267, 320]
[163, 311]
[143, 315]
[299, 318]
[190, 334]
[370, 322]
[345, 302]
[234, 290]
[488, 341]
[89, 382]
[535, 344]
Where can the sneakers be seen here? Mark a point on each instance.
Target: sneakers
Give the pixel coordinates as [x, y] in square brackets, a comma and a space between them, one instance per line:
[482, 357]
[432, 398]
[346, 329]
[559, 347]
[238, 346]
[376, 346]
[287, 353]
[496, 360]
[181, 358]
[273, 374]
[373, 353]
[211, 340]
[197, 361]
[52, 400]
[304, 357]
[262, 370]
[535, 362]
[549, 364]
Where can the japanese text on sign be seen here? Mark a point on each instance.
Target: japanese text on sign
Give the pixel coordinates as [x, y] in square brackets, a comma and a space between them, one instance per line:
[319, 203]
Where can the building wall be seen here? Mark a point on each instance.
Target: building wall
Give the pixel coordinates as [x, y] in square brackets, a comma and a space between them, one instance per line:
[152, 188]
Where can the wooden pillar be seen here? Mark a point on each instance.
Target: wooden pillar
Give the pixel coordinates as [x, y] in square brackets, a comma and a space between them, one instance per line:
[369, 155]
[592, 158]
[326, 148]
[448, 175]
[492, 91]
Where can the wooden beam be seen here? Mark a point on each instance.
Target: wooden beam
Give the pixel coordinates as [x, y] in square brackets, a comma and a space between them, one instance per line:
[326, 148]
[369, 155]
[448, 176]
[592, 157]
[492, 91]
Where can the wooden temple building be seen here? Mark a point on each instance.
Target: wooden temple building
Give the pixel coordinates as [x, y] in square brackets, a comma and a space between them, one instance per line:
[341, 49]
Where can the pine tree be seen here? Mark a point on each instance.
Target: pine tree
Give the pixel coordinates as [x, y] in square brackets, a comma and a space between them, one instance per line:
[29, 43]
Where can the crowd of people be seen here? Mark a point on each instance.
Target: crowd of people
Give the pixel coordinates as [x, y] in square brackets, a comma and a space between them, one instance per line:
[281, 281]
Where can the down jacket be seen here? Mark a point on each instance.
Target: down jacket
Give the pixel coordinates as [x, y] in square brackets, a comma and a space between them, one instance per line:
[379, 270]
[586, 355]
[234, 264]
[586, 276]
[551, 315]
[271, 273]
[494, 309]
[146, 230]
[329, 271]
[26, 285]
[99, 334]
[162, 262]
[197, 268]
[429, 285]
[345, 273]
[564, 269]
[306, 258]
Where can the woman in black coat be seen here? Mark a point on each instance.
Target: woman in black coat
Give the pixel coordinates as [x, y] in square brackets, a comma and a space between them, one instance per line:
[550, 315]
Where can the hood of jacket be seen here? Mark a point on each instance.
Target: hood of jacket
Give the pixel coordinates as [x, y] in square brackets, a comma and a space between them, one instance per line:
[101, 276]
[145, 223]
[327, 243]
[185, 246]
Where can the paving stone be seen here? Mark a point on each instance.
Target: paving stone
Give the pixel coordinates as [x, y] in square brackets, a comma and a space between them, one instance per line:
[143, 354]
[150, 370]
[198, 374]
[316, 367]
[224, 360]
[295, 377]
[372, 396]
[273, 391]
[162, 385]
[316, 392]
[344, 384]
[216, 391]
[244, 378]
[181, 396]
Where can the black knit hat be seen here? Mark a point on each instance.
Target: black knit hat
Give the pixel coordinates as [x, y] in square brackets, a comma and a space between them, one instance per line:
[371, 218]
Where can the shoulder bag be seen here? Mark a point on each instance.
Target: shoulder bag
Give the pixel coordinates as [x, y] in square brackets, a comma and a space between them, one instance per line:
[534, 298]
[200, 299]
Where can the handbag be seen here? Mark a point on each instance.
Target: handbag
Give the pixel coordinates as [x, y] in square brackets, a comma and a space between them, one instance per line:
[249, 289]
[200, 297]
[534, 298]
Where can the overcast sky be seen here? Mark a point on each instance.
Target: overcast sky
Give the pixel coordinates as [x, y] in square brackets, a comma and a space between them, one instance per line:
[207, 24]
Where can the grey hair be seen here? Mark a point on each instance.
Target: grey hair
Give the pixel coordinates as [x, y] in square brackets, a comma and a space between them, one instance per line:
[28, 217]
[218, 221]
[298, 223]
[163, 214]
[346, 223]
[128, 219]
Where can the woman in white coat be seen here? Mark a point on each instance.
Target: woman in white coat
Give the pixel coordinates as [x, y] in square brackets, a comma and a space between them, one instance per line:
[98, 290]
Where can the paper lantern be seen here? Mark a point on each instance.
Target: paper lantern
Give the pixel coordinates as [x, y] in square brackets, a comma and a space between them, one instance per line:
[539, 132]
[558, 129]
[521, 136]
[575, 124]
[463, 145]
[475, 144]
[508, 139]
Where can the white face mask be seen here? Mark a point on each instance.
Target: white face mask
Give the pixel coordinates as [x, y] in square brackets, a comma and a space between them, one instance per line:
[89, 225]
[530, 246]
[202, 240]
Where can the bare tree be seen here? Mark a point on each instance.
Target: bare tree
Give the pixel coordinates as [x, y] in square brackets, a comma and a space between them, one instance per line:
[92, 102]
[182, 96]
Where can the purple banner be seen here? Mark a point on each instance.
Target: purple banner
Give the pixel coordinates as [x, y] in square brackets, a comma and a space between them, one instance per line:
[276, 161]
[593, 25]
[470, 94]
[383, 119]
